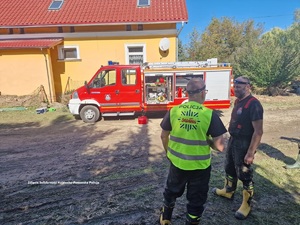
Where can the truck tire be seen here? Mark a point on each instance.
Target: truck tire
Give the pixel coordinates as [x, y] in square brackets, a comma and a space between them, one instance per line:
[90, 114]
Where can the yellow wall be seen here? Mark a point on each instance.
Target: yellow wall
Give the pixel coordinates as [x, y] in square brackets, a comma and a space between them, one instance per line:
[22, 71]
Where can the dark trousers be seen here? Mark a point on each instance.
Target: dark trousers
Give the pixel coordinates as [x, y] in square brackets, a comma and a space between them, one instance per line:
[234, 163]
[196, 182]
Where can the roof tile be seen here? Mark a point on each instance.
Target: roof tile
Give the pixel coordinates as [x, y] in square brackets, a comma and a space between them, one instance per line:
[29, 43]
[82, 12]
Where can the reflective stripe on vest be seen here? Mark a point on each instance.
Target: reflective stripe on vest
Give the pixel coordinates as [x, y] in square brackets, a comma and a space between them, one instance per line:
[189, 157]
[187, 147]
[188, 142]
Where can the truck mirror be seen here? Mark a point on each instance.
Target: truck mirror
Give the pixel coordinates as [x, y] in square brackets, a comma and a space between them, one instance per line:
[86, 86]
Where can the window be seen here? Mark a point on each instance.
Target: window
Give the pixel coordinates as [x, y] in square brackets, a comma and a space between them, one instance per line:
[128, 27]
[182, 78]
[128, 77]
[135, 54]
[68, 53]
[143, 3]
[181, 81]
[104, 78]
[56, 4]
[140, 27]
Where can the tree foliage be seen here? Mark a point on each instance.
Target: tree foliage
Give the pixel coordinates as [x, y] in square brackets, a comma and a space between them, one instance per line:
[221, 39]
[194, 46]
[273, 61]
[297, 16]
[181, 51]
[270, 60]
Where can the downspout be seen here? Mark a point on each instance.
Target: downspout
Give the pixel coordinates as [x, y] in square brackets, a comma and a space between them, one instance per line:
[179, 31]
[47, 69]
[182, 25]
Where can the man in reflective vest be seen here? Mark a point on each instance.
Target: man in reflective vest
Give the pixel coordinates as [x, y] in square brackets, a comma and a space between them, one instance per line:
[188, 132]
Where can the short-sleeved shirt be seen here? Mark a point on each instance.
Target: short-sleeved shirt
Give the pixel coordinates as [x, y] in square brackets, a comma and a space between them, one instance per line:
[244, 116]
[216, 127]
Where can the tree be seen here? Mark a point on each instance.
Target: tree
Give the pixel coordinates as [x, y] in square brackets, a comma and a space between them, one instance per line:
[193, 48]
[271, 60]
[297, 16]
[222, 39]
[260, 62]
[274, 61]
[181, 51]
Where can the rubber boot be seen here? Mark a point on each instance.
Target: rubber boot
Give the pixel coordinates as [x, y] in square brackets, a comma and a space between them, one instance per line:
[166, 215]
[192, 220]
[245, 208]
[229, 188]
[296, 165]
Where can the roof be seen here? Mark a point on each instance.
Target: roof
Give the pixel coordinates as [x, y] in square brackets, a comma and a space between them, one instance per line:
[29, 43]
[22, 13]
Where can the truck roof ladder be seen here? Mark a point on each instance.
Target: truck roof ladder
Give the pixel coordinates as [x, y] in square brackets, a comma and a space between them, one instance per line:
[185, 64]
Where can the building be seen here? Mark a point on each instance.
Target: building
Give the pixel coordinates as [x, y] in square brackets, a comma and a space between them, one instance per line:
[61, 43]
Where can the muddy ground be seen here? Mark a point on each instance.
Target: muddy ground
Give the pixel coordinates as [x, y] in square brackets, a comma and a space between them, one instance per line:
[63, 171]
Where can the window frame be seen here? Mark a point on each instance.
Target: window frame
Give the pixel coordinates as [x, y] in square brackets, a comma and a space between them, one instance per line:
[61, 54]
[103, 79]
[131, 75]
[56, 4]
[127, 53]
[142, 4]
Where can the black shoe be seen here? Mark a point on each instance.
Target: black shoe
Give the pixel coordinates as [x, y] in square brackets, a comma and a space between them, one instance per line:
[192, 221]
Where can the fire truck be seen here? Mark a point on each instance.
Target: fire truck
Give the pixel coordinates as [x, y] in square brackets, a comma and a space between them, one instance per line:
[130, 90]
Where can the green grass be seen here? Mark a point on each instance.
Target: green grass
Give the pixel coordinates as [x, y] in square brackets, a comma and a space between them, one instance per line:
[30, 116]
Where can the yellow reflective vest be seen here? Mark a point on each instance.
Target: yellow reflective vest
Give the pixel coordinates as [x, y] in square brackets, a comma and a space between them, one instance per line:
[187, 147]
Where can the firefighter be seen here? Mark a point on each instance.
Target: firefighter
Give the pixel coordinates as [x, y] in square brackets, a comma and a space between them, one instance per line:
[246, 130]
[185, 132]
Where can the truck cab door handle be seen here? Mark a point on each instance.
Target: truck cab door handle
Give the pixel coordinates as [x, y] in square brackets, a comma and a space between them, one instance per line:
[117, 91]
[137, 91]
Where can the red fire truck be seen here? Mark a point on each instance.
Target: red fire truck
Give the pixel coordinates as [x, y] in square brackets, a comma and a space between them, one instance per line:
[128, 90]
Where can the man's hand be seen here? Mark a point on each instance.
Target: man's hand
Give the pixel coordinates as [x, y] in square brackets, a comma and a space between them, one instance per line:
[217, 143]
[165, 139]
[249, 158]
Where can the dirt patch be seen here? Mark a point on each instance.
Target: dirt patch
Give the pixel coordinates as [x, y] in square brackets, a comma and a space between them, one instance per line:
[61, 171]
[37, 98]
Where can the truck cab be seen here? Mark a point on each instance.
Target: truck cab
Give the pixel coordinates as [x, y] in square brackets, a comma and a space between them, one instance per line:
[113, 91]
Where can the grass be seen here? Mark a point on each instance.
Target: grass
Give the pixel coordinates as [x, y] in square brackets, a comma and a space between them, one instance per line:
[279, 102]
[30, 116]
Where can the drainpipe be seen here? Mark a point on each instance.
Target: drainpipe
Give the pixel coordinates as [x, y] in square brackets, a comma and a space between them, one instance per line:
[182, 25]
[47, 69]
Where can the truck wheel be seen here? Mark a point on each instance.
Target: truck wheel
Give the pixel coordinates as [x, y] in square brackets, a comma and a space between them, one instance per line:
[90, 114]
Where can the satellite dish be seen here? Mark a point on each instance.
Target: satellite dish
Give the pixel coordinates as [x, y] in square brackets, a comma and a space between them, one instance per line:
[164, 44]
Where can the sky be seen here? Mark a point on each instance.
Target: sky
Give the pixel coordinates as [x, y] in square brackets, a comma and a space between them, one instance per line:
[271, 13]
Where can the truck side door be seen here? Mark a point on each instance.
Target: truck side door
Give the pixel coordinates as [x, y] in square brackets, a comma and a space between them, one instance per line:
[103, 89]
[129, 89]
[218, 85]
